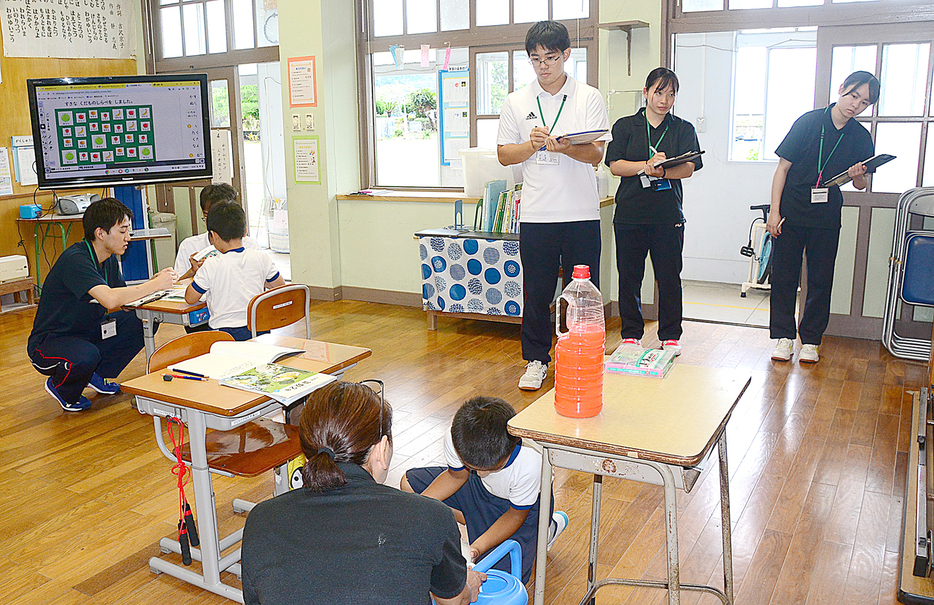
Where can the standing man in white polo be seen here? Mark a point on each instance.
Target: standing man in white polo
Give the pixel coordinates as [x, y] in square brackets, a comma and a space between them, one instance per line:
[560, 217]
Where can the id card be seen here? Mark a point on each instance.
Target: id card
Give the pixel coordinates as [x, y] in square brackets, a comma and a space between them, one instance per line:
[661, 185]
[546, 158]
[108, 328]
[819, 195]
[645, 180]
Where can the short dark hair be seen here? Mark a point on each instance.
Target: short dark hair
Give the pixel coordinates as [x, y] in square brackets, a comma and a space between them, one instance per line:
[221, 192]
[104, 213]
[479, 432]
[550, 35]
[665, 78]
[227, 220]
[340, 423]
[857, 79]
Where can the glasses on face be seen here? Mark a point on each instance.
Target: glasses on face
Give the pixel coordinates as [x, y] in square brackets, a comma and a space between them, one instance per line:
[382, 401]
[548, 60]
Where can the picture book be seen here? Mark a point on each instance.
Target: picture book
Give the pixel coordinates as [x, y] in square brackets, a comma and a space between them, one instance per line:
[229, 358]
[282, 383]
[634, 360]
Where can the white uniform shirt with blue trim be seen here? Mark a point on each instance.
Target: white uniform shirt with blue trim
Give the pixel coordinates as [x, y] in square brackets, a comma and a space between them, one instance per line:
[230, 281]
[520, 481]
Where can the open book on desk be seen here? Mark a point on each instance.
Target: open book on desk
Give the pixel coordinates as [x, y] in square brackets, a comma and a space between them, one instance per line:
[249, 366]
[871, 164]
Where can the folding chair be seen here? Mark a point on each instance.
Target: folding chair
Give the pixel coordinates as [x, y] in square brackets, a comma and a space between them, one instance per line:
[279, 307]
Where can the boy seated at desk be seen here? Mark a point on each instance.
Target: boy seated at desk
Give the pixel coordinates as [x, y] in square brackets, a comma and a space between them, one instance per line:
[492, 481]
[185, 262]
[232, 278]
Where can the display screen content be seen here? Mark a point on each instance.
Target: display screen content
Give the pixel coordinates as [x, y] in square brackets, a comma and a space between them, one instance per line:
[120, 130]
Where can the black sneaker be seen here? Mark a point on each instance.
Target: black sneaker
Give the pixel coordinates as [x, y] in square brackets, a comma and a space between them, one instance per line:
[82, 404]
[104, 387]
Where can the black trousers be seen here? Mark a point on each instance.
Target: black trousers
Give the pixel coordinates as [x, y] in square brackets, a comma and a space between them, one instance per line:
[787, 250]
[543, 247]
[72, 360]
[664, 243]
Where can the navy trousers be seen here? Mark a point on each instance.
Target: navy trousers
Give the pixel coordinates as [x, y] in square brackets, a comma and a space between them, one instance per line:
[543, 247]
[71, 360]
[481, 510]
[787, 250]
[664, 243]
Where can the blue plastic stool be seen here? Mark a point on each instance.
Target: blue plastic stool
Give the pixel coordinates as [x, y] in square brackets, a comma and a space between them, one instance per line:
[502, 588]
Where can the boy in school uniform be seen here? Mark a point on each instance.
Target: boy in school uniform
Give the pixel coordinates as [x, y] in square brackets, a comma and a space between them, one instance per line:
[231, 279]
[492, 481]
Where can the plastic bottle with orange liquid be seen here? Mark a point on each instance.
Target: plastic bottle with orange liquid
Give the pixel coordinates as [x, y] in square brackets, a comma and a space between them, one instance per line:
[579, 352]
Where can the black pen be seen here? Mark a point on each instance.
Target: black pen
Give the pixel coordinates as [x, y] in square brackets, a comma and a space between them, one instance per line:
[189, 373]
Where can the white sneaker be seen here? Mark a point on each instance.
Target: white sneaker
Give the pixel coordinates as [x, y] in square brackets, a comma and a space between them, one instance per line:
[809, 354]
[672, 345]
[535, 373]
[559, 522]
[632, 341]
[783, 349]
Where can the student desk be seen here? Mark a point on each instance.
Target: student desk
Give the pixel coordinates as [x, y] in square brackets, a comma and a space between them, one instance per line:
[168, 311]
[208, 405]
[651, 430]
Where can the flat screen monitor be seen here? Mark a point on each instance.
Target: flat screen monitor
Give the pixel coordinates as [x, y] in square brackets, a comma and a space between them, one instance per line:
[120, 130]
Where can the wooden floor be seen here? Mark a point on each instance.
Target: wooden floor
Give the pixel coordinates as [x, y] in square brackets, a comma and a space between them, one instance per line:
[817, 469]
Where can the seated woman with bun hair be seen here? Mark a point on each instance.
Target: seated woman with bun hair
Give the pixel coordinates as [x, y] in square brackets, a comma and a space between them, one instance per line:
[344, 537]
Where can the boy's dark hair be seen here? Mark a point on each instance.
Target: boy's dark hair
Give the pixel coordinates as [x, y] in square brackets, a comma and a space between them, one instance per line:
[221, 192]
[665, 78]
[550, 35]
[227, 220]
[857, 79]
[479, 432]
[104, 213]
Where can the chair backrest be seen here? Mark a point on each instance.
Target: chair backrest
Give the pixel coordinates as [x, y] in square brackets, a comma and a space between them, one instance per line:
[184, 347]
[279, 307]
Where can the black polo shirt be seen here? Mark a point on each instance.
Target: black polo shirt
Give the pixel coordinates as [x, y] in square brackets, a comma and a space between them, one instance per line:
[362, 543]
[65, 307]
[636, 205]
[801, 147]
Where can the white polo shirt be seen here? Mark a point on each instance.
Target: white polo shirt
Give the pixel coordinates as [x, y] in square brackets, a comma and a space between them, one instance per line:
[229, 281]
[567, 191]
[197, 243]
[520, 481]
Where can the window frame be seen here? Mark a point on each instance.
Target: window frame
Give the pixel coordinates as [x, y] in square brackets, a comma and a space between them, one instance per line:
[487, 38]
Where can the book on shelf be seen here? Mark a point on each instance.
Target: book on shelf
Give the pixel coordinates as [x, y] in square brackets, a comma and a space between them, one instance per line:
[250, 366]
[636, 361]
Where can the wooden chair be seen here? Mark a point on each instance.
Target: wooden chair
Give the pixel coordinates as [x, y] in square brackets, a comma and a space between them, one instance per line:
[249, 450]
[279, 307]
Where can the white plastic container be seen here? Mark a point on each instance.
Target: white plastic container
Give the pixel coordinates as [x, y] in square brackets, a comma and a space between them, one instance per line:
[480, 167]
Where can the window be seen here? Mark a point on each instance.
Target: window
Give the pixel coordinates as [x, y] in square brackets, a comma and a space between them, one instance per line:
[424, 106]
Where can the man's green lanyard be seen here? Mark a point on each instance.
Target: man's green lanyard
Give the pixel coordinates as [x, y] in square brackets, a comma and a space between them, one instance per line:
[653, 149]
[542, 114]
[820, 168]
[94, 260]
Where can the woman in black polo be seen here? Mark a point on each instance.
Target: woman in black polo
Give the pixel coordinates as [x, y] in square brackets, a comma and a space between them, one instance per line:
[805, 213]
[344, 537]
[649, 217]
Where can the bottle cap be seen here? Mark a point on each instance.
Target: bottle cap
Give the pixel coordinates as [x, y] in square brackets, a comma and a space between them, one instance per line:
[581, 272]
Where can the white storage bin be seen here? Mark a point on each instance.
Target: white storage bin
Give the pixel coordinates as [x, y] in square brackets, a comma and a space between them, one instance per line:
[480, 167]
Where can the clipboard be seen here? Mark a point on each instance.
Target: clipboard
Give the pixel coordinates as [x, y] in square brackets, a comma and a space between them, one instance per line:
[689, 156]
[584, 137]
[871, 164]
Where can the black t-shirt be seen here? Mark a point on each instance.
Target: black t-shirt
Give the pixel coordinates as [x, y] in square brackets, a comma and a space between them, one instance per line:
[65, 307]
[362, 544]
[801, 147]
[636, 205]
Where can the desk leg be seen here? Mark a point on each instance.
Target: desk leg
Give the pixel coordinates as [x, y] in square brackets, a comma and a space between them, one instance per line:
[594, 535]
[149, 331]
[671, 537]
[204, 501]
[543, 521]
[35, 236]
[726, 529]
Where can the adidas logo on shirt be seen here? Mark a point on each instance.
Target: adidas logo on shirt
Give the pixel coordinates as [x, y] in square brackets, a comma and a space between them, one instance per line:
[531, 116]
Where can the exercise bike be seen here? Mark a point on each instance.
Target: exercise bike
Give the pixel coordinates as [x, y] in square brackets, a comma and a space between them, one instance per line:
[760, 265]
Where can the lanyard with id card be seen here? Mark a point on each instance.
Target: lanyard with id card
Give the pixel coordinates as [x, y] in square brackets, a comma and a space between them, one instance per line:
[654, 182]
[821, 195]
[108, 325]
[542, 156]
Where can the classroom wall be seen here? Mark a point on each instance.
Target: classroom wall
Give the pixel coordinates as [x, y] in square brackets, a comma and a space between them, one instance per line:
[13, 98]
